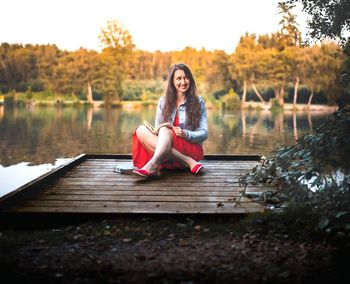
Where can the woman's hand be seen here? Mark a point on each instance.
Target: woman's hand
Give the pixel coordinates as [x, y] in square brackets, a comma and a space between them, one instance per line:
[179, 132]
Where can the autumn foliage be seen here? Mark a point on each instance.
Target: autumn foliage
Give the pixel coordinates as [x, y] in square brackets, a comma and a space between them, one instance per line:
[260, 64]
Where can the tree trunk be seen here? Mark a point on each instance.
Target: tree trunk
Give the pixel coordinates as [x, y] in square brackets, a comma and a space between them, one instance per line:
[296, 86]
[89, 93]
[310, 99]
[277, 93]
[258, 94]
[281, 97]
[244, 96]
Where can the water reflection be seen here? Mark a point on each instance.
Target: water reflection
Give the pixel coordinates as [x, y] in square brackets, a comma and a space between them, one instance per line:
[40, 136]
[17, 175]
[257, 132]
[2, 109]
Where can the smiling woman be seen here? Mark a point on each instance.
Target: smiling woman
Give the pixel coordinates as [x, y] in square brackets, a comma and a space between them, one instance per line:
[180, 145]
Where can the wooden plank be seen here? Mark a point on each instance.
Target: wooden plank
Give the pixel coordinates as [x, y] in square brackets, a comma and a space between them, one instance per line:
[233, 188]
[141, 192]
[80, 204]
[205, 190]
[205, 163]
[225, 157]
[206, 172]
[137, 207]
[235, 191]
[163, 185]
[148, 185]
[161, 180]
[138, 198]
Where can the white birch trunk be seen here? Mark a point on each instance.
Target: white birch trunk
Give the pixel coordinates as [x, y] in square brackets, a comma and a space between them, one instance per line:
[258, 94]
[296, 86]
[89, 93]
[244, 96]
[310, 99]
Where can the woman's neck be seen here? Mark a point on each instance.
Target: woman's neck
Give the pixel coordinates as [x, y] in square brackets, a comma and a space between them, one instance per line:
[180, 99]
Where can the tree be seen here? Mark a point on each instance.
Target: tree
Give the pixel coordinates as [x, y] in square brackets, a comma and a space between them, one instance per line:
[289, 35]
[244, 60]
[289, 39]
[218, 76]
[331, 19]
[48, 56]
[328, 19]
[18, 66]
[321, 69]
[117, 53]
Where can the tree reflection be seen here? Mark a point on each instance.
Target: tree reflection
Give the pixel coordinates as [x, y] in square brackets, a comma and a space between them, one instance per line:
[42, 134]
[89, 117]
[2, 110]
[295, 129]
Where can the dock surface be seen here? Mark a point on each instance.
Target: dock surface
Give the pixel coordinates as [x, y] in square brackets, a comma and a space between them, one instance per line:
[90, 185]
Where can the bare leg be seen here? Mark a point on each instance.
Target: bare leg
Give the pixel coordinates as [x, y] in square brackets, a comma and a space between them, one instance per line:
[161, 146]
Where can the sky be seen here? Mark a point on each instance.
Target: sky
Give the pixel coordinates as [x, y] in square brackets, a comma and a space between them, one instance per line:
[154, 24]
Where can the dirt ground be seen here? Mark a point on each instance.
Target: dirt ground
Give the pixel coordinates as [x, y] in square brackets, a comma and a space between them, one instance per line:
[169, 249]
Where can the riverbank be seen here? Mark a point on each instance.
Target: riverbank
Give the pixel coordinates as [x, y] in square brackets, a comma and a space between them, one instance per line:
[171, 249]
[291, 107]
[39, 99]
[250, 105]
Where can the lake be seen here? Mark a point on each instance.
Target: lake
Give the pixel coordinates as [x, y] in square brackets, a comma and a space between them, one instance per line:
[38, 139]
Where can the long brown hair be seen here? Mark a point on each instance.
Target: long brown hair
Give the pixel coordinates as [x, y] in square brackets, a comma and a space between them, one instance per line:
[192, 103]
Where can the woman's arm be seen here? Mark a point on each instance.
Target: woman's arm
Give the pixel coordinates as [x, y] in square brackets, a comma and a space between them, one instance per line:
[201, 133]
[159, 111]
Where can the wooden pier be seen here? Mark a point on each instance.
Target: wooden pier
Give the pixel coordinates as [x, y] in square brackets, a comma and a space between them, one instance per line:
[89, 184]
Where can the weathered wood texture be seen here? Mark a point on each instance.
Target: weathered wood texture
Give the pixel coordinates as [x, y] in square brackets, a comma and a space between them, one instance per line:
[92, 186]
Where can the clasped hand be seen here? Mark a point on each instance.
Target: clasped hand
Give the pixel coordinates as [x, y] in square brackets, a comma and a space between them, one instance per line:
[179, 132]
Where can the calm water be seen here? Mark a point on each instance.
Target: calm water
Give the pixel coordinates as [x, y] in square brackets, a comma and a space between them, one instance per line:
[33, 141]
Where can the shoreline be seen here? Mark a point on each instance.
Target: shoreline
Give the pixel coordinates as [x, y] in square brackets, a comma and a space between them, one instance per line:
[249, 105]
[291, 107]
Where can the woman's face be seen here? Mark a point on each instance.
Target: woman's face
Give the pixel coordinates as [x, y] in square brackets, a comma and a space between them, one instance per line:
[181, 81]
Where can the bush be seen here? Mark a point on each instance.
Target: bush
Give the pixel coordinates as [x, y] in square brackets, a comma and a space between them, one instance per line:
[231, 100]
[314, 173]
[142, 90]
[275, 106]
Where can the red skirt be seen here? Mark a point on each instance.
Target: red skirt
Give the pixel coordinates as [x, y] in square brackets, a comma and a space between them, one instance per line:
[141, 156]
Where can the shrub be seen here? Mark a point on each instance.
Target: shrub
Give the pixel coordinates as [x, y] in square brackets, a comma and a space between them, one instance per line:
[275, 106]
[314, 173]
[231, 100]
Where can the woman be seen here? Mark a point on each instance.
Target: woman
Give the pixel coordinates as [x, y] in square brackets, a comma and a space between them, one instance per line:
[180, 145]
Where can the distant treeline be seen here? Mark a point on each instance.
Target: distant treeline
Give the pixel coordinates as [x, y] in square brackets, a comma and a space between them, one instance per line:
[261, 67]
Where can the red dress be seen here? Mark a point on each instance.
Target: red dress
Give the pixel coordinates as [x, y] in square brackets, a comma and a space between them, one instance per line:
[141, 156]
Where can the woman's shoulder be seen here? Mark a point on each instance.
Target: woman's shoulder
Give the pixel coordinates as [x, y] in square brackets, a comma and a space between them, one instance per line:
[161, 100]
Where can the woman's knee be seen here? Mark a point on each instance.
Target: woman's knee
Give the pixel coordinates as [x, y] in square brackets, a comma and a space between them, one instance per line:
[141, 132]
[165, 131]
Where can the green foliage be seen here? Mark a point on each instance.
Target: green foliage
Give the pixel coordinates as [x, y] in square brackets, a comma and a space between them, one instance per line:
[314, 173]
[143, 90]
[231, 100]
[29, 93]
[289, 35]
[149, 96]
[327, 18]
[276, 106]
